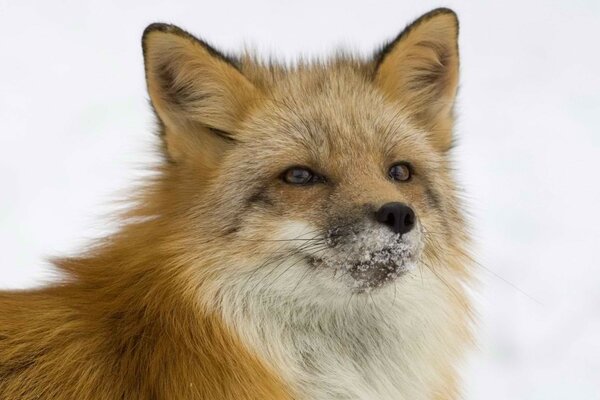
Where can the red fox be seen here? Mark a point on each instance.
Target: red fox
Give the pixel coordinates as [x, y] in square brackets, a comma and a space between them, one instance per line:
[303, 238]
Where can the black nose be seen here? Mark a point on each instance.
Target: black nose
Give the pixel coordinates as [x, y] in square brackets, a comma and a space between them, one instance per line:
[398, 216]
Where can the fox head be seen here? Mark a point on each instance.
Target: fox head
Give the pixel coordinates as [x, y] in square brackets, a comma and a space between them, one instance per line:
[332, 176]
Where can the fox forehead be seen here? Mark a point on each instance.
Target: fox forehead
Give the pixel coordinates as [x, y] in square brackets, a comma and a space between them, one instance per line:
[327, 101]
[328, 117]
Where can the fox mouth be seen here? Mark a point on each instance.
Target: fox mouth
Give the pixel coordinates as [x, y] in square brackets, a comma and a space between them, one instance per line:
[382, 270]
[371, 270]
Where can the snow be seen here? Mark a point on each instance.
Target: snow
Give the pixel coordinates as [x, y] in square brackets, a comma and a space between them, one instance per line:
[370, 255]
[75, 130]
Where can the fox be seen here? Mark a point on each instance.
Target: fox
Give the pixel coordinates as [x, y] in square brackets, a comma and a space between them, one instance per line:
[302, 236]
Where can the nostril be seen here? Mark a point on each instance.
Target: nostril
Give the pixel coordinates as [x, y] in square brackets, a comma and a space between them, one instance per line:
[398, 216]
[390, 221]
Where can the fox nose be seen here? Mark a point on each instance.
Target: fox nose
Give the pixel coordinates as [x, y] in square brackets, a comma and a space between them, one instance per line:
[398, 216]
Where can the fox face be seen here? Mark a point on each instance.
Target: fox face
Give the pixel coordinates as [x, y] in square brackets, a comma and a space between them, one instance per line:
[348, 188]
[332, 174]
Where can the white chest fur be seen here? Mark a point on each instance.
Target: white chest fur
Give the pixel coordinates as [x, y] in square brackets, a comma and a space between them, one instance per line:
[393, 344]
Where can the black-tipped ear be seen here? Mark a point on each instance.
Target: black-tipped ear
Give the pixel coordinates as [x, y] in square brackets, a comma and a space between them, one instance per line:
[419, 68]
[195, 90]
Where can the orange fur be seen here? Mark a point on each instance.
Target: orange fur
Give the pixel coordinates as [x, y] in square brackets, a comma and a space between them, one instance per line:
[119, 329]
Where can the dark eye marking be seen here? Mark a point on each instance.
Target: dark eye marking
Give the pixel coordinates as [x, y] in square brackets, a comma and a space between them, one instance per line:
[301, 176]
[400, 171]
[260, 196]
[433, 197]
[431, 193]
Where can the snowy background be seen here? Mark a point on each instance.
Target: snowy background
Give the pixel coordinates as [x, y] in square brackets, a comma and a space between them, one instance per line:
[75, 132]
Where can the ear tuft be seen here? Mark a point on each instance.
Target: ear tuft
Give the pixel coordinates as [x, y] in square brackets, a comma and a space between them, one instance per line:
[175, 30]
[419, 69]
[450, 19]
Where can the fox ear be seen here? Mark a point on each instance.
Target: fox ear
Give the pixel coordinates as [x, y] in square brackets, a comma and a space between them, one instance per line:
[198, 94]
[420, 70]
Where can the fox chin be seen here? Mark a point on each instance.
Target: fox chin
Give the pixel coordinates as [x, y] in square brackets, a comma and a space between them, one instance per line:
[302, 237]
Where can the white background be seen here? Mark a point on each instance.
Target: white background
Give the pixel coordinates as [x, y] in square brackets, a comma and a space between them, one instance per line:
[76, 132]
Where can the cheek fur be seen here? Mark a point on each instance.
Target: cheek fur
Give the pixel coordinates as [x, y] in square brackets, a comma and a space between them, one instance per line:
[295, 230]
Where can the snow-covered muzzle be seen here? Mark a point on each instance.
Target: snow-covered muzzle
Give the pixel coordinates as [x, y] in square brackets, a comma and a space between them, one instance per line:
[370, 255]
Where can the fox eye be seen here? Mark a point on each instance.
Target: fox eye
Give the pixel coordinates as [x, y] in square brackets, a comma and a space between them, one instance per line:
[400, 172]
[300, 176]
